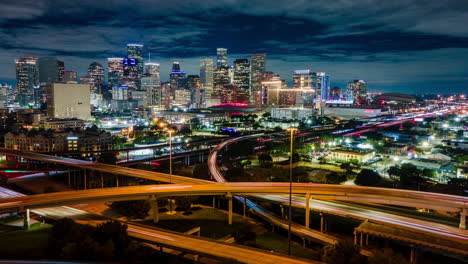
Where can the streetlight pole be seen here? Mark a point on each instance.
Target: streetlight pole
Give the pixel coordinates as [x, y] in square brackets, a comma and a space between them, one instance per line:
[291, 130]
[170, 131]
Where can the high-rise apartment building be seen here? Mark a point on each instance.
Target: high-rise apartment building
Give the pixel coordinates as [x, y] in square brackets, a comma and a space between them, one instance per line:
[336, 93]
[257, 70]
[27, 77]
[317, 85]
[357, 91]
[115, 71]
[221, 57]
[96, 71]
[242, 76]
[321, 85]
[70, 76]
[48, 69]
[66, 100]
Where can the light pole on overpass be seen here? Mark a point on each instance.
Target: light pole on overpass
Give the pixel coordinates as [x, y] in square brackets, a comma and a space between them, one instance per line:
[291, 131]
[170, 132]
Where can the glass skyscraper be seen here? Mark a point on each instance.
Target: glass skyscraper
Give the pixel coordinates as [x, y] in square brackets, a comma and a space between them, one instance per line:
[27, 77]
[221, 59]
[242, 76]
[115, 71]
[258, 67]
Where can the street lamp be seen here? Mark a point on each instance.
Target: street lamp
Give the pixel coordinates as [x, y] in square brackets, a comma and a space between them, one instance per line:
[291, 131]
[170, 132]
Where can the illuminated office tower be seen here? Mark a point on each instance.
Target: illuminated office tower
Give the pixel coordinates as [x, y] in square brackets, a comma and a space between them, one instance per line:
[220, 79]
[70, 76]
[48, 69]
[27, 77]
[66, 100]
[242, 76]
[154, 97]
[176, 77]
[135, 51]
[221, 59]
[357, 91]
[96, 71]
[115, 71]
[257, 66]
[206, 76]
[130, 78]
[120, 93]
[152, 70]
[61, 70]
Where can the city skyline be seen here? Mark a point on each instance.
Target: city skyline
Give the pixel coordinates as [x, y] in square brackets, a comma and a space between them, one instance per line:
[395, 47]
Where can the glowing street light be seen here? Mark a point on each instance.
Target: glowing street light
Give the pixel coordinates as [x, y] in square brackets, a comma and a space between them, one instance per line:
[170, 132]
[291, 131]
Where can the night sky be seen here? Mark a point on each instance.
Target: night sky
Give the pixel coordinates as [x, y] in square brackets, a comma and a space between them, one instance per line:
[395, 45]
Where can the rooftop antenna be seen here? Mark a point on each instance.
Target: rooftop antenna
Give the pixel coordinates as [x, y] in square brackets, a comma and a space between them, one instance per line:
[149, 53]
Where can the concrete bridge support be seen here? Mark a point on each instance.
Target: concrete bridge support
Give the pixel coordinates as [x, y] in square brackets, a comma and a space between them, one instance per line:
[154, 209]
[229, 196]
[463, 215]
[307, 211]
[26, 219]
[85, 180]
[322, 223]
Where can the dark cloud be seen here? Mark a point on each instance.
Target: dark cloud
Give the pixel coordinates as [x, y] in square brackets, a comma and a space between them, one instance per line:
[365, 39]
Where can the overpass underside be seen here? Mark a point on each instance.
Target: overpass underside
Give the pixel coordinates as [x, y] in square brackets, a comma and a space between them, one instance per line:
[414, 239]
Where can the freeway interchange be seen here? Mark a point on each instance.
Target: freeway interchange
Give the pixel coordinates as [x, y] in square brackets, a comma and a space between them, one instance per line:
[318, 197]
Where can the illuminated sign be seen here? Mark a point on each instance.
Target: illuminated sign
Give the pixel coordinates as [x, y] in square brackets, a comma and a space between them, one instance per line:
[72, 138]
[130, 62]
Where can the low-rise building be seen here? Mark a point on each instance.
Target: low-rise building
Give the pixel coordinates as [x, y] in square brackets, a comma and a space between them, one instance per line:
[351, 154]
[443, 168]
[58, 124]
[48, 141]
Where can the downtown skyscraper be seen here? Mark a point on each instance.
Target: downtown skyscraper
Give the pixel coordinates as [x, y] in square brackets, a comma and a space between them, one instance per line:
[221, 57]
[135, 64]
[96, 71]
[49, 69]
[257, 70]
[27, 78]
[242, 76]
[206, 76]
[115, 71]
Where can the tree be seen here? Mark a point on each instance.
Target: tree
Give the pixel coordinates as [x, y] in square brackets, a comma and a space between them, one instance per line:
[322, 160]
[133, 209]
[428, 174]
[265, 160]
[195, 123]
[394, 172]
[409, 174]
[243, 235]
[335, 178]
[107, 158]
[347, 167]
[201, 171]
[367, 177]
[386, 256]
[344, 252]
